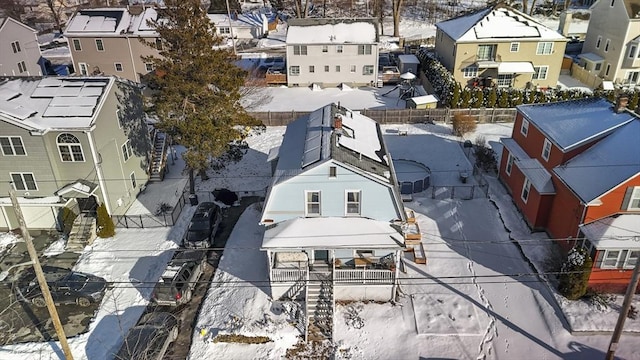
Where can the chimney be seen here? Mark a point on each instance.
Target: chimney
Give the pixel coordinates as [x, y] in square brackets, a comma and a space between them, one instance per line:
[337, 122]
[621, 103]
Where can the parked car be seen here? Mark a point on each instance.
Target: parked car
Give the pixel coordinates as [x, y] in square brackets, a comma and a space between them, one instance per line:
[150, 338]
[269, 62]
[66, 287]
[180, 277]
[203, 226]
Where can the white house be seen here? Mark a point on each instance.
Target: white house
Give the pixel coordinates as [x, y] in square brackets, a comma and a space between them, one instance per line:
[241, 26]
[329, 52]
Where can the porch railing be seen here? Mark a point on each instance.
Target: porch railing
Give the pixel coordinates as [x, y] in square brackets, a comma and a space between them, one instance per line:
[364, 276]
[288, 275]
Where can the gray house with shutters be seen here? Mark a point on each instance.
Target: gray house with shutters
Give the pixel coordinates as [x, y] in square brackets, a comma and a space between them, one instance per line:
[70, 142]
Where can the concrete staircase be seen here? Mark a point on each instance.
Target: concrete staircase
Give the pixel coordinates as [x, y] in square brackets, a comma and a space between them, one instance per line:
[320, 307]
[83, 232]
[158, 159]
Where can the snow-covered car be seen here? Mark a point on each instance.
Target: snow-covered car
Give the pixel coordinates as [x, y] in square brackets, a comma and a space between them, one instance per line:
[66, 287]
[269, 62]
[150, 338]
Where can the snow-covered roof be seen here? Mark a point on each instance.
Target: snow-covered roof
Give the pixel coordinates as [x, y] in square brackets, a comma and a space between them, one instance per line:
[111, 22]
[514, 149]
[497, 22]
[426, 99]
[331, 31]
[52, 102]
[591, 57]
[332, 233]
[250, 20]
[570, 124]
[605, 165]
[537, 174]
[311, 140]
[614, 232]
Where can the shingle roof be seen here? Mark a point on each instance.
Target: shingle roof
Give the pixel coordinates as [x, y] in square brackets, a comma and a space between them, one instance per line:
[569, 124]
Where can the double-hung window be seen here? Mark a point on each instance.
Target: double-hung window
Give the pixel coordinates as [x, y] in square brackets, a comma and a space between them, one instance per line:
[546, 149]
[12, 146]
[294, 70]
[515, 46]
[486, 52]
[367, 70]
[99, 45]
[299, 49]
[540, 72]
[126, 150]
[364, 49]
[526, 189]
[312, 203]
[544, 48]
[15, 46]
[353, 202]
[339, 49]
[610, 260]
[524, 129]
[76, 45]
[24, 181]
[633, 200]
[509, 165]
[470, 72]
[22, 67]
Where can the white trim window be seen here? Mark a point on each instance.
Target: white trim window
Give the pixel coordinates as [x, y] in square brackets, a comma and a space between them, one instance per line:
[127, 153]
[634, 199]
[294, 70]
[22, 67]
[224, 30]
[515, 47]
[364, 49]
[337, 68]
[598, 42]
[632, 51]
[546, 149]
[339, 49]
[326, 68]
[367, 70]
[544, 48]
[325, 48]
[118, 67]
[540, 72]
[15, 46]
[149, 67]
[353, 68]
[524, 128]
[299, 49]
[610, 259]
[76, 45]
[470, 72]
[352, 204]
[504, 80]
[606, 45]
[509, 165]
[99, 45]
[69, 148]
[23, 182]
[312, 69]
[134, 182]
[119, 119]
[12, 146]
[84, 68]
[632, 258]
[312, 203]
[526, 190]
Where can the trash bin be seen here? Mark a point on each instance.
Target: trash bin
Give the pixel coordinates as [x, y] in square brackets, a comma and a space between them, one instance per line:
[193, 199]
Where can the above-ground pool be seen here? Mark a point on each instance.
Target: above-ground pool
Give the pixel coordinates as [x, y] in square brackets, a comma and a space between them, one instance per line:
[413, 176]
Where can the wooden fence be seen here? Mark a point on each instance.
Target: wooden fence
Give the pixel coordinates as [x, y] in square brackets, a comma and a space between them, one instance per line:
[400, 116]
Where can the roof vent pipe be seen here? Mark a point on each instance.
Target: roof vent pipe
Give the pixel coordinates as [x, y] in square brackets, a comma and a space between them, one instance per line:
[337, 122]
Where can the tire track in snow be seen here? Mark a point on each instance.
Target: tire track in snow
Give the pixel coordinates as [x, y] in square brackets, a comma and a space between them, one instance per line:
[485, 347]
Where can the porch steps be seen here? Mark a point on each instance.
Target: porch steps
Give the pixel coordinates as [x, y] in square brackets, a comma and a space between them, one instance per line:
[320, 307]
[83, 232]
[159, 157]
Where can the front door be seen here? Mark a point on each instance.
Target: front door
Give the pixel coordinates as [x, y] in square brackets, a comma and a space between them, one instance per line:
[321, 256]
[87, 205]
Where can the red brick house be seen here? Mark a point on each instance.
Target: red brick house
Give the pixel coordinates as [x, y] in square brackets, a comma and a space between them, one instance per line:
[573, 169]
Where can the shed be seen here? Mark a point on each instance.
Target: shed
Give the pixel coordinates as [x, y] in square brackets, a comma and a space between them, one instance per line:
[422, 102]
[408, 63]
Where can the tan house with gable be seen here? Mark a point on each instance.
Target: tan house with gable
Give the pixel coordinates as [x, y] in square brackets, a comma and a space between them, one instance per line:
[111, 41]
[19, 49]
[500, 46]
[612, 46]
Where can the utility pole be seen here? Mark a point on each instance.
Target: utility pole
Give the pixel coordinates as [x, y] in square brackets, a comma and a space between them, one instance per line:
[626, 305]
[233, 40]
[41, 279]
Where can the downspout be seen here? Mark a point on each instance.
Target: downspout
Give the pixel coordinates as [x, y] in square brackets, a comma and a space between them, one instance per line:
[98, 166]
[394, 288]
[133, 63]
[581, 220]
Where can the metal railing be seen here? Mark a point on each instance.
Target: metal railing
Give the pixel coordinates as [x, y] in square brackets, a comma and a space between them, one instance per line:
[287, 275]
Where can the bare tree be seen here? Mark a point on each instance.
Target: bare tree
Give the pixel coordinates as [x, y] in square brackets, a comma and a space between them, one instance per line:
[397, 10]
[12, 8]
[57, 8]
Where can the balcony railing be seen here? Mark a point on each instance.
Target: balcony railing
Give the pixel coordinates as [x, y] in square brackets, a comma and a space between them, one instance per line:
[364, 276]
[288, 275]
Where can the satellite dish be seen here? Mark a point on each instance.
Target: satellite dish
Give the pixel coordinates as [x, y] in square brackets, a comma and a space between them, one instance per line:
[407, 76]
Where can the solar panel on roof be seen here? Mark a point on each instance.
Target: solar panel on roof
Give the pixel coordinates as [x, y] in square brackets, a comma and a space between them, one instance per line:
[93, 91]
[8, 94]
[94, 83]
[69, 101]
[313, 139]
[49, 81]
[68, 111]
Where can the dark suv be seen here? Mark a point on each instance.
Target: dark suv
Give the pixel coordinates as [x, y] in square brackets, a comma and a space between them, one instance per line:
[180, 278]
[66, 286]
[203, 226]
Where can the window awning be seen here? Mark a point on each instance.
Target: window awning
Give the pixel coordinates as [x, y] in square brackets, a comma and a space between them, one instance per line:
[487, 64]
[78, 189]
[515, 67]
